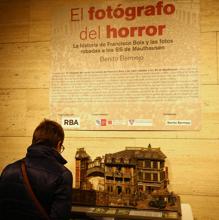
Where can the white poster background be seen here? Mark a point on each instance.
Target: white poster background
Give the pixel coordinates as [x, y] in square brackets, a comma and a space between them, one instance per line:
[126, 65]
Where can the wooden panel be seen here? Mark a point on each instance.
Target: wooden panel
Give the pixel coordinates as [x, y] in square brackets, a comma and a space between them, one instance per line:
[12, 149]
[14, 21]
[12, 112]
[40, 31]
[208, 58]
[203, 207]
[25, 65]
[217, 58]
[40, 18]
[26, 20]
[210, 98]
[19, 109]
[209, 15]
[37, 109]
[14, 33]
[41, 10]
[41, 15]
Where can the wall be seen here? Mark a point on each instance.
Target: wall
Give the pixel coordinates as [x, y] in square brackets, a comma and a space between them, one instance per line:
[25, 46]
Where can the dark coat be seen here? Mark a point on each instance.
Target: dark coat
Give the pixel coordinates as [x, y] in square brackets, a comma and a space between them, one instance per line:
[50, 179]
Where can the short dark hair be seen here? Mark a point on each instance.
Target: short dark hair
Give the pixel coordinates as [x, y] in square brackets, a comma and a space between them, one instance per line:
[49, 131]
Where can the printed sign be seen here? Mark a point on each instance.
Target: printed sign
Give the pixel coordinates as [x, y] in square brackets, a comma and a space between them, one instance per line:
[126, 65]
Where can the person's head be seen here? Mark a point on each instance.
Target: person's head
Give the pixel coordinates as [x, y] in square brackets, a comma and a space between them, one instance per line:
[49, 131]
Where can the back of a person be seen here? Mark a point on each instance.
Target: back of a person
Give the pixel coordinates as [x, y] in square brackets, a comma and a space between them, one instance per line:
[15, 202]
[45, 174]
[51, 182]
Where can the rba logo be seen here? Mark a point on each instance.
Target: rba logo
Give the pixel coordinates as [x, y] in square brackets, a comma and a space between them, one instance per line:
[70, 122]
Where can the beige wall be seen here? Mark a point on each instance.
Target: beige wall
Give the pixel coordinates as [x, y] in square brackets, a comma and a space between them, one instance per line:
[25, 46]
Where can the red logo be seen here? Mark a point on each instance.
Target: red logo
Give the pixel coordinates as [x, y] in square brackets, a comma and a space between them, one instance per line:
[103, 122]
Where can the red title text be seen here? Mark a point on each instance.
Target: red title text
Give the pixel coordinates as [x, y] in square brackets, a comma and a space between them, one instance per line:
[126, 13]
